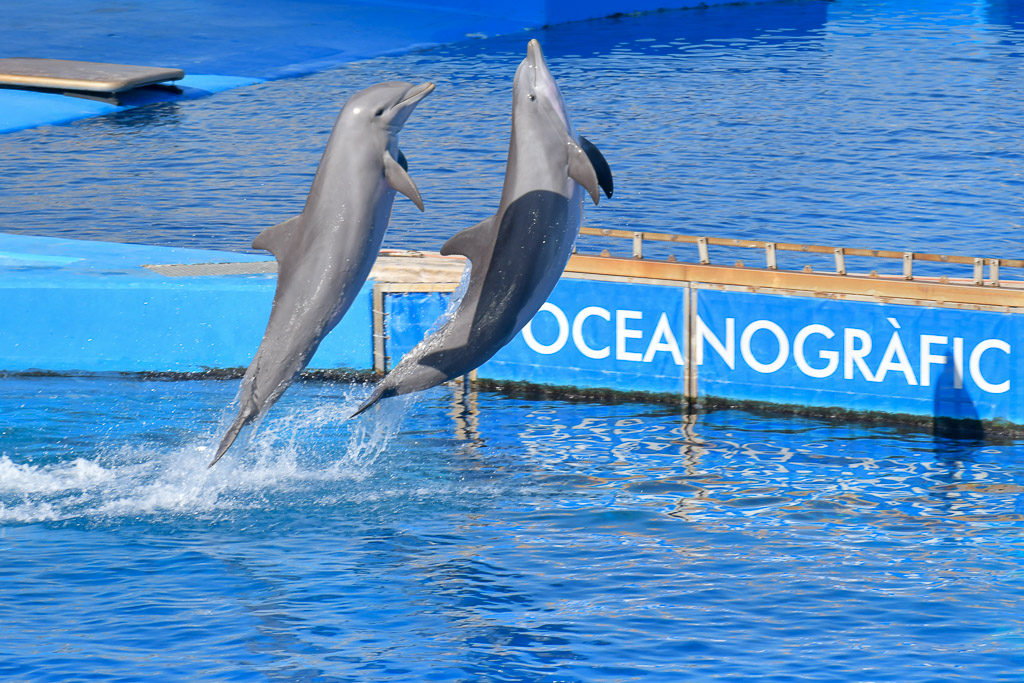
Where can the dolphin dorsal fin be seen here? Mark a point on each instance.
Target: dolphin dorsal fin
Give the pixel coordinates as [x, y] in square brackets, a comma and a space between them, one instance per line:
[277, 239]
[473, 243]
[601, 167]
[399, 180]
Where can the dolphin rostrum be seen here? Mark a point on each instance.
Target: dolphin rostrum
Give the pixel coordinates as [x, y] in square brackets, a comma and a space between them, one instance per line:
[517, 255]
[325, 253]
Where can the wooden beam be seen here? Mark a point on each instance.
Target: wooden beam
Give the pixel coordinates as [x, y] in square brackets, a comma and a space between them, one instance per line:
[818, 283]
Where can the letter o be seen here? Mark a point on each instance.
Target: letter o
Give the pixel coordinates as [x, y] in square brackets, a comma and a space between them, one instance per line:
[563, 331]
[755, 364]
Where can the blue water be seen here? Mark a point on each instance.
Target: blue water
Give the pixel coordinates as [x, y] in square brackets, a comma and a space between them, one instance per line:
[890, 124]
[491, 538]
[486, 537]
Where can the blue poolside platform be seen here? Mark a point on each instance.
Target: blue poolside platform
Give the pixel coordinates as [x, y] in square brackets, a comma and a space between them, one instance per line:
[85, 307]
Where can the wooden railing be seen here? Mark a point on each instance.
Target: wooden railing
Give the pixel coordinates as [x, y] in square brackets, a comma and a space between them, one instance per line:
[839, 254]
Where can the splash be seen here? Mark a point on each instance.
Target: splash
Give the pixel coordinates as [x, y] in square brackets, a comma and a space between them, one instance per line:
[300, 456]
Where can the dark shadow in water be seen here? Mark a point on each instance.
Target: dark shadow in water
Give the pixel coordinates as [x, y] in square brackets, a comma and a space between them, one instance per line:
[166, 113]
[1007, 13]
[666, 32]
[663, 32]
[955, 427]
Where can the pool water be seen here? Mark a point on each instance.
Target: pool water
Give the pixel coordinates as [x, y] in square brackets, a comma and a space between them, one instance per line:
[887, 124]
[483, 537]
[480, 536]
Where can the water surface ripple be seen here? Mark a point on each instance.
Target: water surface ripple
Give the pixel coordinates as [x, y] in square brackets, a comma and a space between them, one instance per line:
[885, 124]
[491, 538]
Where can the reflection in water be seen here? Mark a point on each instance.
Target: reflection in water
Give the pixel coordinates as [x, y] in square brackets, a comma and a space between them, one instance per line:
[465, 412]
[725, 466]
[162, 114]
[956, 426]
[1005, 13]
[477, 536]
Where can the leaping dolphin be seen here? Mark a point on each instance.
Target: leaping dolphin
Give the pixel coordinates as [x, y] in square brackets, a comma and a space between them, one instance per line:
[517, 255]
[325, 253]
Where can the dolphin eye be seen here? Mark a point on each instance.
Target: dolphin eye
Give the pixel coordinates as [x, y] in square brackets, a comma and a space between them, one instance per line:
[380, 112]
[532, 97]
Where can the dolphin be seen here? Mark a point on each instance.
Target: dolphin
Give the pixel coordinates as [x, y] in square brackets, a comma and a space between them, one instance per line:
[517, 255]
[325, 253]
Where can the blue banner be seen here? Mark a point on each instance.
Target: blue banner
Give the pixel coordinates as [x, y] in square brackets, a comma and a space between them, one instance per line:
[627, 337]
[409, 316]
[857, 355]
[796, 350]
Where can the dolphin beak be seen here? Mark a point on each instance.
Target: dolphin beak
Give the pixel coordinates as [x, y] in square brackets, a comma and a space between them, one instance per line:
[535, 60]
[534, 53]
[401, 110]
[415, 94]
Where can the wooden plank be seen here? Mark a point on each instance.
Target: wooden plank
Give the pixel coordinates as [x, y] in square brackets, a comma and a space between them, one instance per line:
[65, 74]
[931, 291]
[379, 332]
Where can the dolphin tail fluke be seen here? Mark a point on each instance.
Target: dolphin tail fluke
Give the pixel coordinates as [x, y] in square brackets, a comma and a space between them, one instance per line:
[244, 418]
[374, 397]
[382, 391]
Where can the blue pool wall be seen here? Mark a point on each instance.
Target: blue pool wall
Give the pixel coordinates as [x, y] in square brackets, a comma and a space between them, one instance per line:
[795, 350]
[72, 306]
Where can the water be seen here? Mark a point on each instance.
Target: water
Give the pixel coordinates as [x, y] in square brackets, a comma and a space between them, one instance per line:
[877, 124]
[486, 537]
[490, 538]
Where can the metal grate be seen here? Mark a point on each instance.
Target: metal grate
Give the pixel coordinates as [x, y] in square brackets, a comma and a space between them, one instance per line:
[212, 269]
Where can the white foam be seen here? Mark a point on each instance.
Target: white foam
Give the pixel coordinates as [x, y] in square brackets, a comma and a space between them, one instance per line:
[79, 474]
[298, 450]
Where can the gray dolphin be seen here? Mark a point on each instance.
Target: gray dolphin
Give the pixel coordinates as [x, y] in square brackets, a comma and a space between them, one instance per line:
[517, 255]
[325, 253]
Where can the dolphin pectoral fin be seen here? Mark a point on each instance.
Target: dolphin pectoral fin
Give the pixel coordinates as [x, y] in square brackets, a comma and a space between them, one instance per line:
[601, 167]
[277, 239]
[472, 243]
[399, 180]
[582, 171]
